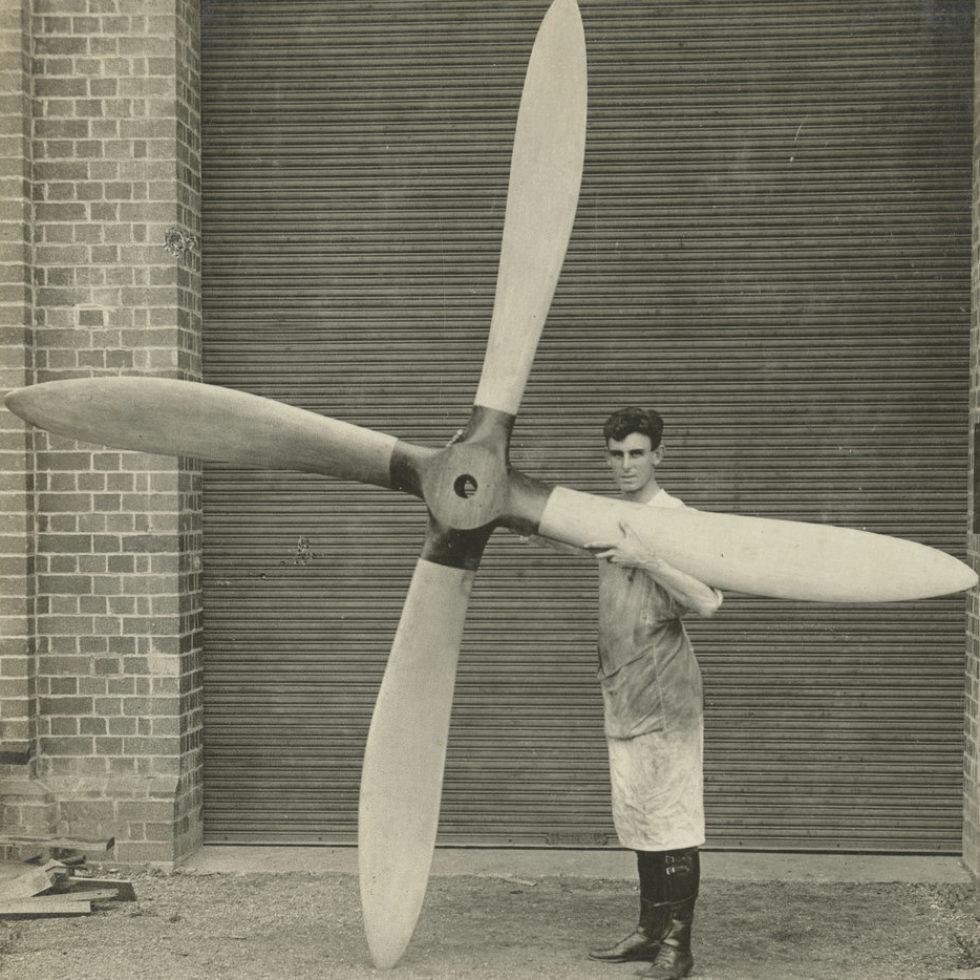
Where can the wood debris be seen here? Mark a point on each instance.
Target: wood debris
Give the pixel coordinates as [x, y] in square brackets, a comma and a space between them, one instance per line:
[67, 850]
[33, 908]
[57, 889]
[120, 890]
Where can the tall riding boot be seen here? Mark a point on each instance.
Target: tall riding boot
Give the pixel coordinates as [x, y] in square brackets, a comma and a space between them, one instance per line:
[683, 874]
[643, 943]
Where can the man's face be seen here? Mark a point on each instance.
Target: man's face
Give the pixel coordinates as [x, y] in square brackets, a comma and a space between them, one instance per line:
[633, 461]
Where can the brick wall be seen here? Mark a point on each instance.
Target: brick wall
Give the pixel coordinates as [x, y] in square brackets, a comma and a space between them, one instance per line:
[971, 761]
[102, 671]
[24, 803]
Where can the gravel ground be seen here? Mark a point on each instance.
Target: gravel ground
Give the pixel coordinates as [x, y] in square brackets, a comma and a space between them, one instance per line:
[194, 926]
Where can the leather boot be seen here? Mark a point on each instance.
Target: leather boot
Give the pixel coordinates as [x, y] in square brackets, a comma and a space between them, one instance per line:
[643, 943]
[639, 945]
[674, 960]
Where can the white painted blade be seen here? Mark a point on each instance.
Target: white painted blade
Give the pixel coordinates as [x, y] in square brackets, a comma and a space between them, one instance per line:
[759, 556]
[183, 418]
[542, 197]
[401, 784]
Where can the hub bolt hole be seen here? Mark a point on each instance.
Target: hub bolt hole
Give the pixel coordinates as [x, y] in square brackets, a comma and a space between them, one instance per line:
[465, 486]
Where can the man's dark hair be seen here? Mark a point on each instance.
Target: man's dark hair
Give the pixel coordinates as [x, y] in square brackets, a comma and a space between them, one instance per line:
[628, 420]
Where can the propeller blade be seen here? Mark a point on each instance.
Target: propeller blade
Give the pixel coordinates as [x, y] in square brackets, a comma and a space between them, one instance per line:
[404, 760]
[401, 783]
[760, 556]
[183, 418]
[545, 174]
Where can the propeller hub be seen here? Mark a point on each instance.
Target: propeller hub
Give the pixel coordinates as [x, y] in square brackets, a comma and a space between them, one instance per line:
[465, 486]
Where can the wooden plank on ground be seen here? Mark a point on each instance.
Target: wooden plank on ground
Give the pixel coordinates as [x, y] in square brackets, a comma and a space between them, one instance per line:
[54, 901]
[123, 891]
[64, 843]
[105, 895]
[30, 908]
[25, 885]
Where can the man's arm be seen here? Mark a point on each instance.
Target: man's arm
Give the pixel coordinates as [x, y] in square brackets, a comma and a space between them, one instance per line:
[632, 551]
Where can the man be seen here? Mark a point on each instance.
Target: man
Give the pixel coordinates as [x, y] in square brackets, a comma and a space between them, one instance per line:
[652, 700]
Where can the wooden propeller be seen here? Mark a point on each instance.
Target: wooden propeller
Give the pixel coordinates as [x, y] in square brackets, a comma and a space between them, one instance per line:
[470, 489]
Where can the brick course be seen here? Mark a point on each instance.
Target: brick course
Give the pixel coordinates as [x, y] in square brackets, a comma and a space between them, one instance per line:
[100, 551]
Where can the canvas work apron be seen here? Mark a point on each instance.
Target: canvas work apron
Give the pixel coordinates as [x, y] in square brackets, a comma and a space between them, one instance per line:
[653, 706]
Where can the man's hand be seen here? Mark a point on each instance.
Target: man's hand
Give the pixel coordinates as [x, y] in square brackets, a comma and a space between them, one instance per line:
[630, 550]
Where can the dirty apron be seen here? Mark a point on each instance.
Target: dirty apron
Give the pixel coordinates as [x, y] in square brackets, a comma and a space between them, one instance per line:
[653, 705]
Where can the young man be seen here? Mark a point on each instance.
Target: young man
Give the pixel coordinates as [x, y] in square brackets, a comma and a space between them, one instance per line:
[652, 699]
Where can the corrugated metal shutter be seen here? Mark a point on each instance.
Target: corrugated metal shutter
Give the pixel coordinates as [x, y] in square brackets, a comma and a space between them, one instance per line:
[772, 247]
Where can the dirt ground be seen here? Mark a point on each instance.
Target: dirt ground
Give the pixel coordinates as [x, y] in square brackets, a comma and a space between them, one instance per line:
[219, 926]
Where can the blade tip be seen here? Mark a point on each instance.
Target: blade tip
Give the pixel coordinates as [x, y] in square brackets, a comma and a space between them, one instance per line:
[960, 576]
[16, 401]
[384, 958]
[385, 941]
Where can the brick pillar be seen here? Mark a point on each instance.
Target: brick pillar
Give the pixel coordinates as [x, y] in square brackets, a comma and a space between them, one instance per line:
[110, 663]
[971, 760]
[25, 805]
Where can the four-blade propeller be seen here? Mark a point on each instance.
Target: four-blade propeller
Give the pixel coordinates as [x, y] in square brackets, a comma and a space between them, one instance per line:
[470, 489]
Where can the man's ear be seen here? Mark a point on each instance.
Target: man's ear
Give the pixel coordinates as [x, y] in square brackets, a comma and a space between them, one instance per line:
[658, 455]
